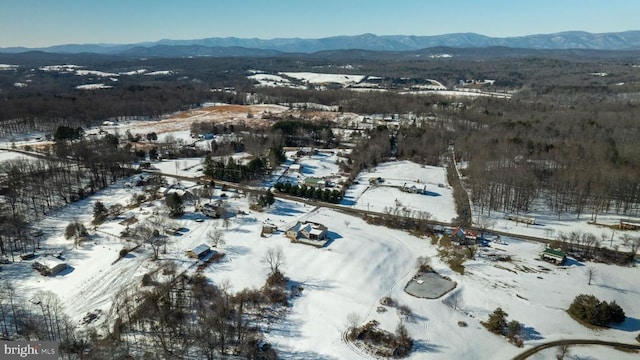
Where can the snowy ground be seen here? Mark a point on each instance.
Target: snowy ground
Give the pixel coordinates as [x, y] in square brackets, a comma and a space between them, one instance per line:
[437, 199]
[360, 265]
[319, 78]
[551, 226]
[10, 155]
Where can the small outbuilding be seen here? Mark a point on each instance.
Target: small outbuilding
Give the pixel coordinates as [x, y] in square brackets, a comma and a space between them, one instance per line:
[199, 251]
[554, 256]
[49, 265]
[314, 182]
[464, 237]
[269, 228]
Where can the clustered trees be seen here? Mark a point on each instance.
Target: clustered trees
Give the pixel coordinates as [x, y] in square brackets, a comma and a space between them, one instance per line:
[175, 204]
[305, 132]
[189, 315]
[497, 324]
[309, 192]
[589, 309]
[379, 342]
[588, 246]
[233, 171]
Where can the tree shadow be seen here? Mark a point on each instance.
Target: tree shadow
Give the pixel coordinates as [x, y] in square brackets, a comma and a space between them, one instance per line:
[303, 355]
[630, 325]
[624, 291]
[314, 284]
[348, 201]
[283, 208]
[333, 236]
[237, 250]
[421, 346]
[66, 271]
[572, 262]
[430, 193]
[308, 169]
[529, 333]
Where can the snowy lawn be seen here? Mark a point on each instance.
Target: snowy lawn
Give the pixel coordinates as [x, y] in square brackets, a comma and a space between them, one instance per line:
[437, 198]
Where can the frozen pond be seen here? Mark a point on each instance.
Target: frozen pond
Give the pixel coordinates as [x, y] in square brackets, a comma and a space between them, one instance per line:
[429, 285]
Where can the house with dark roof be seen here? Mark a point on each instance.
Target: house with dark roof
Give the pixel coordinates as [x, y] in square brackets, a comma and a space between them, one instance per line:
[199, 251]
[554, 256]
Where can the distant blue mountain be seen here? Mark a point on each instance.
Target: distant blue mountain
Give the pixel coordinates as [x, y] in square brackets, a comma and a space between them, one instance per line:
[232, 46]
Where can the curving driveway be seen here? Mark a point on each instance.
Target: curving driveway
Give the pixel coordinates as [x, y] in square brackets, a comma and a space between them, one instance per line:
[541, 347]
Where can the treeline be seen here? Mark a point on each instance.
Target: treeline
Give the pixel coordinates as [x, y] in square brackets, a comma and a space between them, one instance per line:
[577, 157]
[29, 111]
[310, 192]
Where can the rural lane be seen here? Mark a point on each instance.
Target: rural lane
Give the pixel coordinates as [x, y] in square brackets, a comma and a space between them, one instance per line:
[551, 344]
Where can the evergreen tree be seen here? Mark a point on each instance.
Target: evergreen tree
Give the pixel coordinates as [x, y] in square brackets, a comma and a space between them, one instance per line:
[497, 321]
[99, 212]
[175, 204]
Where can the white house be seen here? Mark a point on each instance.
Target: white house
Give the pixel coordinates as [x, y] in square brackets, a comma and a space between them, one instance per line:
[308, 232]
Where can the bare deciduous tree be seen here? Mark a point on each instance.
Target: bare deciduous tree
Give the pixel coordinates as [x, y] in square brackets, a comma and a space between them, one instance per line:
[216, 237]
[591, 273]
[353, 320]
[633, 243]
[274, 259]
[563, 352]
[146, 235]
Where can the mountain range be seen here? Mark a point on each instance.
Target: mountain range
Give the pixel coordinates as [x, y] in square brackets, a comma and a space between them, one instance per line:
[233, 46]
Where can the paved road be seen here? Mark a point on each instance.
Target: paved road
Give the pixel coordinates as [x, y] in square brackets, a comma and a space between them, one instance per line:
[541, 347]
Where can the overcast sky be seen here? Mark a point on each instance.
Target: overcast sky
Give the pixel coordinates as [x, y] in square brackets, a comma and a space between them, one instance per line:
[35, 23]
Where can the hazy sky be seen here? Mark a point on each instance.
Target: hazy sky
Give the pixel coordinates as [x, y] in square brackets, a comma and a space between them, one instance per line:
[34, 23]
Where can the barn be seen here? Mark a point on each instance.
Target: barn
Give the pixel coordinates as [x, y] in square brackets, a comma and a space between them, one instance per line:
[199, 251]
[49, 266]
[554, 256]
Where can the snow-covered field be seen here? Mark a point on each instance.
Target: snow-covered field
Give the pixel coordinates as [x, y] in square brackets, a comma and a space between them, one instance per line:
[437, 198]
[10, 155]
[82, 71]
[271, 80]
[319, 78]
[93, 86]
